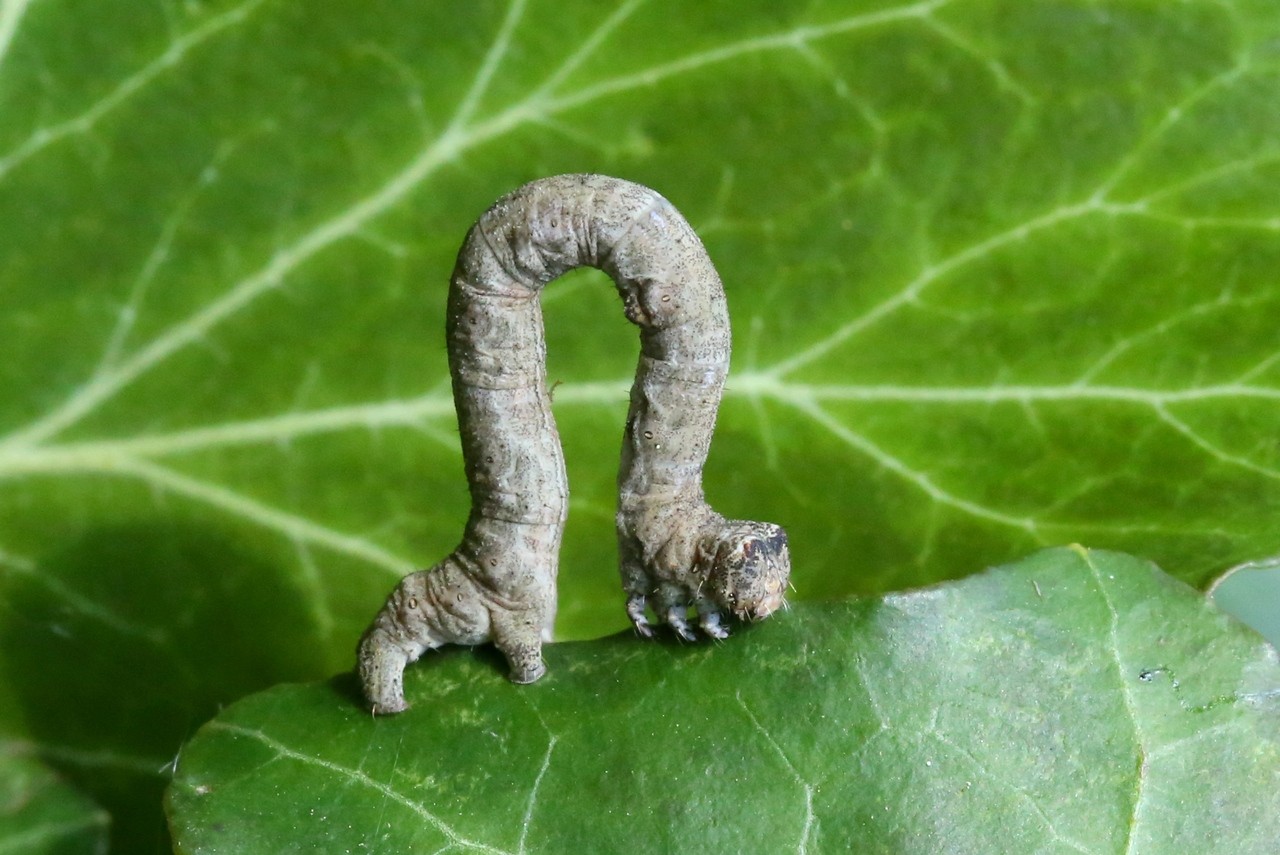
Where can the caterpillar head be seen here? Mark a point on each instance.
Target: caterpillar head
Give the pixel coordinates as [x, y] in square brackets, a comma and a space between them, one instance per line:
[749, 568]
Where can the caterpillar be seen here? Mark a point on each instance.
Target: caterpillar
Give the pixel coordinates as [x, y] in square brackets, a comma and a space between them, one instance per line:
[676, 554]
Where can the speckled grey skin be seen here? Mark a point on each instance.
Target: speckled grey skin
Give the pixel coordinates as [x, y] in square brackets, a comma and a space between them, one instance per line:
[676, 552]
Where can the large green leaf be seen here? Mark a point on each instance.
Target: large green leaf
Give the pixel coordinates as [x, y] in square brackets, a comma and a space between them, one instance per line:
[1001, 273]
[1075, 702]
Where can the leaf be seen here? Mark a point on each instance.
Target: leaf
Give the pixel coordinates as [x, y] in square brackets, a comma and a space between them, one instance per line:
[1250, 592]
[41, 815]
[1001, 274]
[1073, 702]
[118, 647]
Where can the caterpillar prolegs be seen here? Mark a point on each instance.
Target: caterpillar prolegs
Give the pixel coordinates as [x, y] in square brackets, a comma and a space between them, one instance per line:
[676, 553]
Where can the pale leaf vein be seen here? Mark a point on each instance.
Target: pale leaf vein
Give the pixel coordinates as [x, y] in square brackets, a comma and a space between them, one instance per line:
[361, 778]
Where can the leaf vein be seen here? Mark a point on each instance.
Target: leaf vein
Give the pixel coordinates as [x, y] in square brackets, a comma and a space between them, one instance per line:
[921, 480]
[1019, 792]
[361, 778]
[788, 40]
[807, 788]
[1212, 449]
[41, 837]
[280, 429]
[43, 137]
[104, 758]
[931, 273]
[1126, 693]
[527, 821]
[10, 17]
[488, 66]
[585, 50]
[292, 526]
[155, 636]
[1171, 118]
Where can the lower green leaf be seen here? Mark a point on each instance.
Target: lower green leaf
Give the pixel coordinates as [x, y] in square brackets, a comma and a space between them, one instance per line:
[40, 814]
[1073, 702]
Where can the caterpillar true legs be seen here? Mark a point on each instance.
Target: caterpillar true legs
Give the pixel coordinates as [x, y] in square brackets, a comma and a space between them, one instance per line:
[676, 553]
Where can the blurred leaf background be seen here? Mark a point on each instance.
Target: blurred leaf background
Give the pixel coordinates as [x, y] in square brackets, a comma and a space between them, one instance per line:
[1002, 274]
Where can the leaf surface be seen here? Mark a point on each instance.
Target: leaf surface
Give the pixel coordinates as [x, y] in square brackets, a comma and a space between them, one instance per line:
[1074, 702]
[1002, 275]
[40, 814]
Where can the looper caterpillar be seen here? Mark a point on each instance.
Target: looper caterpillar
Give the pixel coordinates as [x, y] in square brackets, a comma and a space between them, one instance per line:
[676, 553]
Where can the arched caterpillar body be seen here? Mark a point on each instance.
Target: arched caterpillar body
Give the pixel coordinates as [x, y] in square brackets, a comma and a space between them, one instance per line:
[676, 553]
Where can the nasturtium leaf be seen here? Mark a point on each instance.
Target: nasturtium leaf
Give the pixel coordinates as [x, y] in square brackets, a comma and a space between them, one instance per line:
[40, 814]
[1073, 702]
[1002, 275]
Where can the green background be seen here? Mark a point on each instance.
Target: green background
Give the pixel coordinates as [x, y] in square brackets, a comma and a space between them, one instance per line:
[1002, 275]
